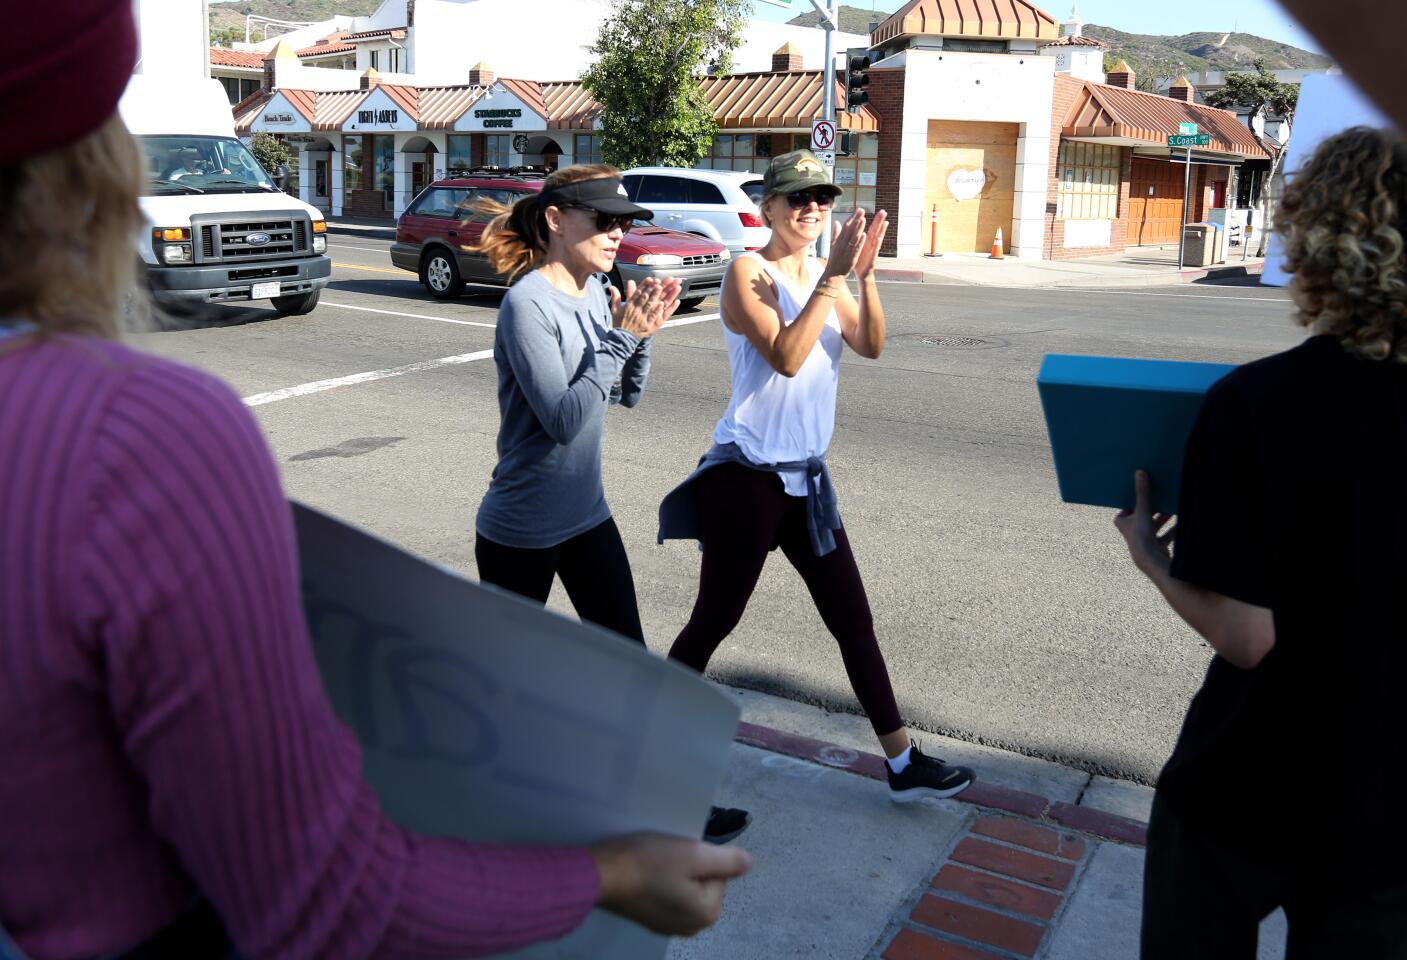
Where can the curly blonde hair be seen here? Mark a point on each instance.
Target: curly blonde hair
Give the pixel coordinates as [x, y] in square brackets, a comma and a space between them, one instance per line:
[68, 258]
[1342, 218]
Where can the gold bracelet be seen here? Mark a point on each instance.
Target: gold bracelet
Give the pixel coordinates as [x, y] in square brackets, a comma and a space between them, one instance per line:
[826, 292]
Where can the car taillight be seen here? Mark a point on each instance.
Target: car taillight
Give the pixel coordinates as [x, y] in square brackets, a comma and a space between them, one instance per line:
[751, 219]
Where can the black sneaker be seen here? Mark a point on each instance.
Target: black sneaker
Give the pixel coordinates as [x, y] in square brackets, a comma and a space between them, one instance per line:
[927, 776]
[725, 823]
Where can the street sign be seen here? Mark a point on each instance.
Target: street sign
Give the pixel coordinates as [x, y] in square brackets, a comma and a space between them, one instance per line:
[822, 135]
[1196, 140]
[826, 156]
[1187, 129]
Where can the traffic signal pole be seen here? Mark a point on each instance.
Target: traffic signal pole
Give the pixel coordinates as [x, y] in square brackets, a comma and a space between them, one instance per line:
[823, 248]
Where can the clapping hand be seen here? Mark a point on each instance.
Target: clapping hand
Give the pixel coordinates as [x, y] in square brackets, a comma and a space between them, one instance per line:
[857, 245]
[645, 306]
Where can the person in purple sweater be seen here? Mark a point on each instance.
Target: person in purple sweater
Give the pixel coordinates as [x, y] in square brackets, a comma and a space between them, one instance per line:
[175, 781]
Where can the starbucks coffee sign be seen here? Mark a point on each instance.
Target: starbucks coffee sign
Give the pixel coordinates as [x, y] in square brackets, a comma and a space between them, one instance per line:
[500, 119]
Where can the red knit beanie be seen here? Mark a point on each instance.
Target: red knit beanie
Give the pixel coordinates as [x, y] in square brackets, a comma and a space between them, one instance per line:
[61, 76]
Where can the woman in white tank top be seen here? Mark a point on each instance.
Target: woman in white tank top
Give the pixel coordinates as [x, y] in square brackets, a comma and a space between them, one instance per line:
[787, 317]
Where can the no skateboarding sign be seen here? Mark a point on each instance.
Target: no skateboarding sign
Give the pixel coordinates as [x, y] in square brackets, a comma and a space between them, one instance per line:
[822, 135]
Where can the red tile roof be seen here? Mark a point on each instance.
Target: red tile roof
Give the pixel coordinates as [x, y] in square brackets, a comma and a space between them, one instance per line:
[1077, 42]
[395, 33]
[440, 107]
[773, 100]
[224, 57]
[1100, 110]
[992, 19]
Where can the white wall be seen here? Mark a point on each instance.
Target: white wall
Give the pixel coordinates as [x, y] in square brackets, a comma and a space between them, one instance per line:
[942, 85]
[173, 38]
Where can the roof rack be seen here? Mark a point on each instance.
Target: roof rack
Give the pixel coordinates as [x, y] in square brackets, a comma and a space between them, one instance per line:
[503, 173]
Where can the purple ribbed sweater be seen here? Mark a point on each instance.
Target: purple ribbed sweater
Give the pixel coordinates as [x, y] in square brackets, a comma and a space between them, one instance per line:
[163, 729]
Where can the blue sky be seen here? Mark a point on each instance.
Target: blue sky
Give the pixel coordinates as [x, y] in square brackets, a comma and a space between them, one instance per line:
[1261, 17]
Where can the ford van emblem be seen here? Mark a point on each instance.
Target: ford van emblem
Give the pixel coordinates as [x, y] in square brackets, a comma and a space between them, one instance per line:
[257, 239]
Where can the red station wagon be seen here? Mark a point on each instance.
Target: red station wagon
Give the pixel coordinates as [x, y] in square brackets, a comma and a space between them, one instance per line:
[432, 234]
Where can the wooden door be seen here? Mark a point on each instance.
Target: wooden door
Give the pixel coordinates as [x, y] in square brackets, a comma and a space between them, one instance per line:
[1155, 202]
[972, 179]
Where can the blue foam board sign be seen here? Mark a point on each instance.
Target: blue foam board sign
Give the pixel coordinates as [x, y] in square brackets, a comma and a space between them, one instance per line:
[1110, 416]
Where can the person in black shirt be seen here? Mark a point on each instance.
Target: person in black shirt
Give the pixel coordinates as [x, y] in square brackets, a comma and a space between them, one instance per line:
[1287, 784]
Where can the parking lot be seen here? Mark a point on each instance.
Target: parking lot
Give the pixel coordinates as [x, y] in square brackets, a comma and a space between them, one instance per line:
[1007, 617]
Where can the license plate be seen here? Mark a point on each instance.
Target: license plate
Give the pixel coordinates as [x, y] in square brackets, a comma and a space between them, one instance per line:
[263, 291]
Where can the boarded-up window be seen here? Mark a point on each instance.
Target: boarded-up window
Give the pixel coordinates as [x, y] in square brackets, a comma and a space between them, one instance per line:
[1089, 181]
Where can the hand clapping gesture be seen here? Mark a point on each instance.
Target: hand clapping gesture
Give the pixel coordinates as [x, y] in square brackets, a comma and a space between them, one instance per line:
[646, 306]
[857, 245]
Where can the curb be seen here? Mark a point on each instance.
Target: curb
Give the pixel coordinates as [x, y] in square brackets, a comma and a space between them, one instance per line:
[1088, 282]
[1106, 826]
[370, 233]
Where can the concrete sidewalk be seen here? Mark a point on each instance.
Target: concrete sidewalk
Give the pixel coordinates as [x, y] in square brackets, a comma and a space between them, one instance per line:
[1136, 267]
[1035, 860]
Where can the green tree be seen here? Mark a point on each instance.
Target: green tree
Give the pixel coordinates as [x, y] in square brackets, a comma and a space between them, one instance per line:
[650, 55]
[226, 37]
[1260, 93]
[270, 151]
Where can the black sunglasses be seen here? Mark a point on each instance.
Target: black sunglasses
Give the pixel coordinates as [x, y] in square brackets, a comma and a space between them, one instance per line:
[823, 199]
[606, 222]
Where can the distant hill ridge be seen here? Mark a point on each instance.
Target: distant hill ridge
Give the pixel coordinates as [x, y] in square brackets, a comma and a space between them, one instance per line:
[1151, 56]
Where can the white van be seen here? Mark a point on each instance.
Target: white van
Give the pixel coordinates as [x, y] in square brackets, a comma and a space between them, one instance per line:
[218, 229]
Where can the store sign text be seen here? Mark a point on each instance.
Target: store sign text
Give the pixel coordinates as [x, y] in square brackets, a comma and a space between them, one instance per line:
[387, 117]
[498, 118]
[278, 118]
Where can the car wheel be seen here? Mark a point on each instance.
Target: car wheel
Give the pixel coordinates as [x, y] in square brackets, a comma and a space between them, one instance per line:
[691, 303]
[296, 304]
[440, 274]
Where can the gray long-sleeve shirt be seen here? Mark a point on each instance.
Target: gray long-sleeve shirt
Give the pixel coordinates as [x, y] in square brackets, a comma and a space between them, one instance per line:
[558, 358]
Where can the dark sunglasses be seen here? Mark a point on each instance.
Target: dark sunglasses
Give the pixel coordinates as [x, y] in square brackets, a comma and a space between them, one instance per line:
[801, 199]
[606, 222]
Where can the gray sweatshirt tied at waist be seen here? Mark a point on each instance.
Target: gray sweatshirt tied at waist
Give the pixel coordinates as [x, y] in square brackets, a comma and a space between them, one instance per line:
[558, 358]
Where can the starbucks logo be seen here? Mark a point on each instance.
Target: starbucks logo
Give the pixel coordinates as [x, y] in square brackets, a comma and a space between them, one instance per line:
[520, 143]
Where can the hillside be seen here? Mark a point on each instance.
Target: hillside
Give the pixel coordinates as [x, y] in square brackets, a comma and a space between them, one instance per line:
[1150, 56]
[1157, 56]
[228, 18]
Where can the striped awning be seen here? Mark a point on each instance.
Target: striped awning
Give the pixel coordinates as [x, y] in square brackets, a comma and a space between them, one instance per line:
[777, 101]
[1103, 112]
[978, 19]
[440, 107]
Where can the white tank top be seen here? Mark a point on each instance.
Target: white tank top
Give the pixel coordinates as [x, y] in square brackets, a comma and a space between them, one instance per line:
[776, 419]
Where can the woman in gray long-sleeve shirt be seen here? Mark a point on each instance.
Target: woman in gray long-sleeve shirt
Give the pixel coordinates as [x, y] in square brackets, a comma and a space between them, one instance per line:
[561, 346]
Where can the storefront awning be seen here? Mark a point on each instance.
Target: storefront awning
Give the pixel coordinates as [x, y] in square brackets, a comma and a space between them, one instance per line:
[1104, 114]
[777, 101]
[978, 19]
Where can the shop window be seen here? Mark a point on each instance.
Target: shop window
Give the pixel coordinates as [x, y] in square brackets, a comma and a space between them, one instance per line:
[498, 148]
[586, 148]
[351, 164]
[383, 153]
[1089, 181]
[459, 157]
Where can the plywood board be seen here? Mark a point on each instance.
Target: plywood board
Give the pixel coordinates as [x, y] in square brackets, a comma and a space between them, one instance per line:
[972, 180]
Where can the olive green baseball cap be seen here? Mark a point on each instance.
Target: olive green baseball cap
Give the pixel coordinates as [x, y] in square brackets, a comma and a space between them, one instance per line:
[798, 170]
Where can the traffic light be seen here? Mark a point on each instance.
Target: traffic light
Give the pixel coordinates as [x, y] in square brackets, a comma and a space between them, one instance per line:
[857, 78]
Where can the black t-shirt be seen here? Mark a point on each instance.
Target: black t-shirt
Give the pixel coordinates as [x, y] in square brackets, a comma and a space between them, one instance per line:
[1294, 498]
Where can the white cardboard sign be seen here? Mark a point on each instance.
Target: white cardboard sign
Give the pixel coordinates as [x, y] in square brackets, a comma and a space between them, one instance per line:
[485, 717]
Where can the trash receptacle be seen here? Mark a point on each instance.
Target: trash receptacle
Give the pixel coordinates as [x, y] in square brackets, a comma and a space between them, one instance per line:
[1218, 243]
[1197, 245]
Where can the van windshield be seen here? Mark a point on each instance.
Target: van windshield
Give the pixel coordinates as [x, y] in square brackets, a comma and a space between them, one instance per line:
[184, 164]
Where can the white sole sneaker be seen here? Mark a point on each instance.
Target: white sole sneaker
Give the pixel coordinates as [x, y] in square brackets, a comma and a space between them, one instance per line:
[924, 793]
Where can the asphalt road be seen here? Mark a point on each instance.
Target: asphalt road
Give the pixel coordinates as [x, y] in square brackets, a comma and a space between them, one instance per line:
[1007, 617]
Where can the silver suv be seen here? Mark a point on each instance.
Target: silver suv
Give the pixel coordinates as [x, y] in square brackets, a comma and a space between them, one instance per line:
[718, 204]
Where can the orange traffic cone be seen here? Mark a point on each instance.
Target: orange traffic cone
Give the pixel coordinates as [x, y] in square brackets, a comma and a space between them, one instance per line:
[997, 246]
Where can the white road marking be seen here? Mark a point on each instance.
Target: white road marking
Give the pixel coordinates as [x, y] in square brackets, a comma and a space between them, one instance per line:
[412, 316]
[685, 321]
[318, 386]
[354, 246]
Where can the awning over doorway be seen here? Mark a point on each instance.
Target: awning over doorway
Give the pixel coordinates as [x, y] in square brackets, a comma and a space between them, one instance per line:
[1104, 114]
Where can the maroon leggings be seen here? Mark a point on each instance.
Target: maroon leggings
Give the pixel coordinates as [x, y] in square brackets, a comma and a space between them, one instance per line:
[747, 513]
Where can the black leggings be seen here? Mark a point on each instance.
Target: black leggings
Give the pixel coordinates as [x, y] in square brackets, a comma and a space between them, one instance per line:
[593, 567]
[746, 514]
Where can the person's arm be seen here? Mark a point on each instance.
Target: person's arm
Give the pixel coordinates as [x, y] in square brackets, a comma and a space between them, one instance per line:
[751, 307]
[633, 376]
[186, 587]
[528, 338]
[862, 320]
[1241, 633]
